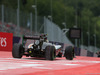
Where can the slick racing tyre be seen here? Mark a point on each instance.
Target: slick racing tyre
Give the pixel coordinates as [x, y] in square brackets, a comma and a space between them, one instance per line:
[50, 53]
[69, 53]
[17, 51]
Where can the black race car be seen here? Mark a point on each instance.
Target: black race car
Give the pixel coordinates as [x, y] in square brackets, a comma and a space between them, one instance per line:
[41, 48]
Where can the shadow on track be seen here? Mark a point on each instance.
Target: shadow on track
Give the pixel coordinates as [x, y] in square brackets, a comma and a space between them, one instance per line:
[37, 58]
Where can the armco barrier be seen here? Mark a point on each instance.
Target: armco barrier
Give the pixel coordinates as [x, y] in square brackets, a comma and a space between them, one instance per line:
[90, 54]
[83, 52]
[6, 41]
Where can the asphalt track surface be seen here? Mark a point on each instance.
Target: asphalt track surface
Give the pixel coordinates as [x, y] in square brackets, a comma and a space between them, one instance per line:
[39, 66]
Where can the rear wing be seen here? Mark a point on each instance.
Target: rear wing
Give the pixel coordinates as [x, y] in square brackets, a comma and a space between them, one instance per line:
[31, 37]
[41, 37]
[35, 37]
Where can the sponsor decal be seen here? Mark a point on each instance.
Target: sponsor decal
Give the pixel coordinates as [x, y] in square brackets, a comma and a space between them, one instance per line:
[3, 42]
[6, 41]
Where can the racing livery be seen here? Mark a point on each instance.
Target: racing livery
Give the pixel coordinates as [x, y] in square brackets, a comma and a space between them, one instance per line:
[41, 48]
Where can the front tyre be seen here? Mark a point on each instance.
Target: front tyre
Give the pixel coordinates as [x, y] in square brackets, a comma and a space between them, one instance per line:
[17, 51]
[50, 53]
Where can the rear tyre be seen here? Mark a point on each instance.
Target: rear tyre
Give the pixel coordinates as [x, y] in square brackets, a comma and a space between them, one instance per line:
[17, 51]
[50, 53]
[69, 53]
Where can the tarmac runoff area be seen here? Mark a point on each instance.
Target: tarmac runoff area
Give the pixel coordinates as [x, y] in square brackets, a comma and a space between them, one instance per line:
[40, 66]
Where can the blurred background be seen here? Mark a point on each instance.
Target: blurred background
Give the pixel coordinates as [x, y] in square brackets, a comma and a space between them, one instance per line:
[54, 17]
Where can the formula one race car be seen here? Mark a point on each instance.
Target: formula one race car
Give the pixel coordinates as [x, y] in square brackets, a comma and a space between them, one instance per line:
[41, 48]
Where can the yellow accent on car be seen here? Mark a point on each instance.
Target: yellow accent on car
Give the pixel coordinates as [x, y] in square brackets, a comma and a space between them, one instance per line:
[30, 51]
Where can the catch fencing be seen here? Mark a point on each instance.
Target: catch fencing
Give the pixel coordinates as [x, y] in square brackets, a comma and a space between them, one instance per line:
[54, 32]
[25, 24]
